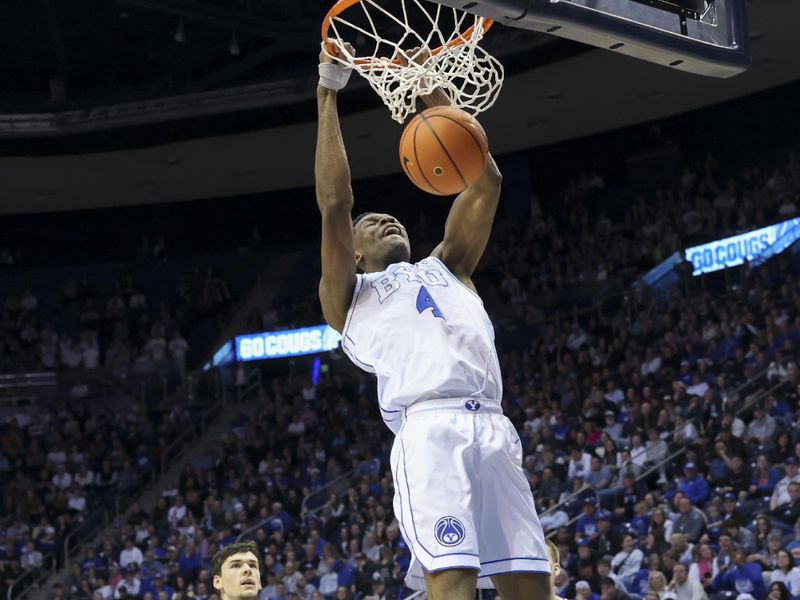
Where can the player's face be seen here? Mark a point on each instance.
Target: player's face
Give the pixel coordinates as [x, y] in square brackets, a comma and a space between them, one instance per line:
[239, 577]
[380, 240]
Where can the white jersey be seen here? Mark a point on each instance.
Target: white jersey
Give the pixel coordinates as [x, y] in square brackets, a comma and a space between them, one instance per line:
[425, 335]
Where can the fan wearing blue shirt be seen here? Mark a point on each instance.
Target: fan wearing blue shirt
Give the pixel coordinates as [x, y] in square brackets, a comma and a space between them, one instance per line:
[586, 525]
[741, 577]
[693, 485]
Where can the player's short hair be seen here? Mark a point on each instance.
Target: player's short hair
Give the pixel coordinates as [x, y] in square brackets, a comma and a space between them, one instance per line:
[239, 547]
[553, 553]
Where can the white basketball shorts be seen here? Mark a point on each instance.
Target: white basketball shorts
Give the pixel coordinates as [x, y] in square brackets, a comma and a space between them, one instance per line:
[461, 497]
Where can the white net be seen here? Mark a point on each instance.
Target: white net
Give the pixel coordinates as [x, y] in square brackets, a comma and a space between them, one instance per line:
[416, 48]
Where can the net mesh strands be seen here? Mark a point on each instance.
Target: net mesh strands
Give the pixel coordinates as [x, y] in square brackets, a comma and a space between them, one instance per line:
[447, 56]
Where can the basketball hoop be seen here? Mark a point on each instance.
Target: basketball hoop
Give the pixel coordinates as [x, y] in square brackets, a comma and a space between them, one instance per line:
[446, 58]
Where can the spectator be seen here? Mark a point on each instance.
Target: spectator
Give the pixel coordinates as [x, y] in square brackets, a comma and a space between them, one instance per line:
[741, 577]
[599, 477]
[31, 558]
[609, 591]
[657, 584]
[586, 526]
[583, 591]
[787, 572]
[626, 562]
[693, 486]
[130, 555]
[779, 591]
[131, 585]
[580, 463]
[780, 495]
[762, 428]
[690, 521]
[683, 586]
[614, 429]
[789, 512]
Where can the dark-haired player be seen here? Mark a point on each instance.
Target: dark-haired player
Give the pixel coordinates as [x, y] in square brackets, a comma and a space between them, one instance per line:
[235, 571]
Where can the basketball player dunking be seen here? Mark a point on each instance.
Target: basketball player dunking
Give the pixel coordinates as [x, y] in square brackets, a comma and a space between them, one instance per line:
[462, 501]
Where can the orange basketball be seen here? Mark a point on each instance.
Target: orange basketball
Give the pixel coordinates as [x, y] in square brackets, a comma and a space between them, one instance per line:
[444, 150]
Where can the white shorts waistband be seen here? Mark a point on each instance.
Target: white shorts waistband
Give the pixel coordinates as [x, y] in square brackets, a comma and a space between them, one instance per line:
[467, 405]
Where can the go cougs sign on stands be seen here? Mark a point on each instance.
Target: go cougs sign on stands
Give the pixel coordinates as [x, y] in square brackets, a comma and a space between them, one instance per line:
[734, 251]
[292, 342]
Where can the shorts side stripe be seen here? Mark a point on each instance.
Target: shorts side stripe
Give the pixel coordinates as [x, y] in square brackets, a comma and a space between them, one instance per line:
[411, 509]
[490, 562]
[401, 520]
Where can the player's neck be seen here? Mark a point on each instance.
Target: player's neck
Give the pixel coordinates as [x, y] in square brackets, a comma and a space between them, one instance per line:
[379, 266]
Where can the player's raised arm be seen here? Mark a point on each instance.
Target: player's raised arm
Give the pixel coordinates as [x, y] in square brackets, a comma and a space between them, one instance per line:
[469, 223]
[335, 200]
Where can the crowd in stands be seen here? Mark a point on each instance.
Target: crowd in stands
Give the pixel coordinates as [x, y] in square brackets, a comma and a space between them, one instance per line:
[122, 328]
[59, 466]
[64, 457]
[709, 378]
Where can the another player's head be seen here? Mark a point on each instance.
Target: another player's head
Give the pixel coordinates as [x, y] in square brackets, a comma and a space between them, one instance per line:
[380, 240]
[555, 562]
[235, 571]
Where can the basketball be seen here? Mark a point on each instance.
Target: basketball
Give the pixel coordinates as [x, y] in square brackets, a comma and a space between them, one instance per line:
[444, 150]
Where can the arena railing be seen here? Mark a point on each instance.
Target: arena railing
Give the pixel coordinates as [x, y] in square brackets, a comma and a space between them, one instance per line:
[586, 490]
[348, 477]
[43, 574]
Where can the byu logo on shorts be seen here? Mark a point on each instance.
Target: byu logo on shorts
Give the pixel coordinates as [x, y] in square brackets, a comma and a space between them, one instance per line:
[472, 405]
[449, 531]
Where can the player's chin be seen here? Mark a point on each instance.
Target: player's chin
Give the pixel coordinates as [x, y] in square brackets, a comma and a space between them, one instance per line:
[397, 249]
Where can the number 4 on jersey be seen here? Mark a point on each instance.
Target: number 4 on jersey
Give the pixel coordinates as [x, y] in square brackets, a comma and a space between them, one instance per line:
[424, 301]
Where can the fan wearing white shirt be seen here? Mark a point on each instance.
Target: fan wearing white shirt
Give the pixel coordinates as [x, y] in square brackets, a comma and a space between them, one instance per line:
[77, 499]
[781, 493]
[685, 587]
[132, 584]
[130, 555]
[62, 479]
[628, 561]
[580, 463]
[176, 513]
[787, 572]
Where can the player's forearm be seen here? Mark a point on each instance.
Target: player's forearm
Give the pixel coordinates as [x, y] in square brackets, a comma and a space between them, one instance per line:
[331, 170]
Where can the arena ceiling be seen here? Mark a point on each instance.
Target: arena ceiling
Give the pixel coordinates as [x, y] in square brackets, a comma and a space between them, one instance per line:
[77, 60]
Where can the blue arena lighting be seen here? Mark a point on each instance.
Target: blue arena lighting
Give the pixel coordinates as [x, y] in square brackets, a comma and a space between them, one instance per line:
[290, 342]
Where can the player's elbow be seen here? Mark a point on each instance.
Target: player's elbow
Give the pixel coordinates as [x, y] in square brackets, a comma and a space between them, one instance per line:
[492, 174]
[490, 182]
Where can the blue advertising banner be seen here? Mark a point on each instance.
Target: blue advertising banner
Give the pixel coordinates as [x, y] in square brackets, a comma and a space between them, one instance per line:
[290, 342]
[735, 250]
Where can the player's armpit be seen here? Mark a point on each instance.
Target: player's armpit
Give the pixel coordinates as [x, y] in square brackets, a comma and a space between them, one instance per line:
[469, 224]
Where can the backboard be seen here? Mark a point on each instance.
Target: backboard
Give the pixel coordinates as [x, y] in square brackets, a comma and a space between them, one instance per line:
[706, 37]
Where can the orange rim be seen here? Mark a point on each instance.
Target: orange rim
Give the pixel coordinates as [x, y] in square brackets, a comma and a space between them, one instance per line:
[342, 5]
